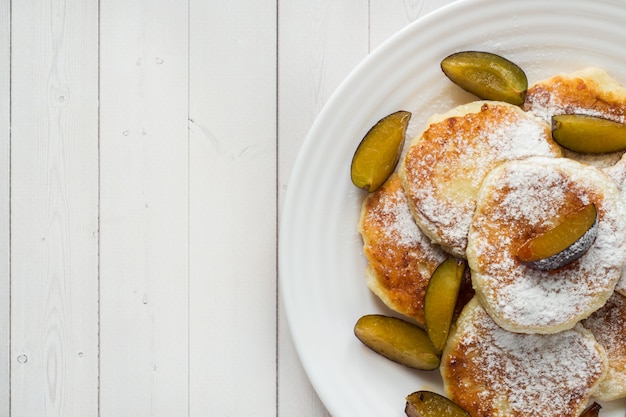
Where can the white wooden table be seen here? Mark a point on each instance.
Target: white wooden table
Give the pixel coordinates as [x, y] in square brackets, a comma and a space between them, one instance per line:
[145, 151]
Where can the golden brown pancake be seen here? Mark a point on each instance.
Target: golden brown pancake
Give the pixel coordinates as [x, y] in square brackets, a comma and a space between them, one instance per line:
[590, 91]
[401, 258]
[489, 371]
[608, 325]
[445, 165]
[521, 199]
[617, 173]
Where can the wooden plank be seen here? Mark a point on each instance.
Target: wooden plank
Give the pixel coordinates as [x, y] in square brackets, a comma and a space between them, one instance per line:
[54, 208]
[5, 100]
[320, 42]
[232, 208]
[144, 208]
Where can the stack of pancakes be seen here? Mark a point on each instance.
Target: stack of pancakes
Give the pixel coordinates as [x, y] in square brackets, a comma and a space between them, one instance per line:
[473, 185]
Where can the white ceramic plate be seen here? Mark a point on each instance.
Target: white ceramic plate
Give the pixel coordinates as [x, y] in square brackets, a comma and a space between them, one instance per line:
[321, 262]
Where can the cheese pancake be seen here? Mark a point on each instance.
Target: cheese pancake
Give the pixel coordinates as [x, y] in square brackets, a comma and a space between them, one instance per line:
[489, 371]
[608, 325]
[444, 166]
[522, 199]
[590, 91]
[401, 258]
[617, 173]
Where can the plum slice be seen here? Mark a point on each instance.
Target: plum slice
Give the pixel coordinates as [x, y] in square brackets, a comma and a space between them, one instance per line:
[397, 340]
[588, 134]
[379, 151]
[440, 300]
[566, 242]
[431, 404]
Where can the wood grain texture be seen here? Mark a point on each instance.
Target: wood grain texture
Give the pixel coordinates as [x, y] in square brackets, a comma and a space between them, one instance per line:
[145, 152]
[54, 208]
[232, 193]
[144, 366]
[5, 287]
[320, 42]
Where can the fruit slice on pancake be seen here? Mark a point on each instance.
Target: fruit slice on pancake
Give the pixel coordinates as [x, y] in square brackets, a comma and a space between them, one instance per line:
[588, 134]
[520, 200]
[441, 298]
[444, 166]
[567, 241]
[590, 91]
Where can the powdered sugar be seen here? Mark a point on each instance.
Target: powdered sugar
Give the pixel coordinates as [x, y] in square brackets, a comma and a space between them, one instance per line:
[608, 325]
[546, 103]
[389, 225]
[528, 195]
[517, 139]
[445, 168]
[590, 91]
[537, 188]
[401, 258]
[402, 229]
[522, 374]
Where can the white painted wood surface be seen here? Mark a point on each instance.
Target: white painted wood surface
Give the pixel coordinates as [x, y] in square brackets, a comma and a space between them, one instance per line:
[145, 151]
[5, 88]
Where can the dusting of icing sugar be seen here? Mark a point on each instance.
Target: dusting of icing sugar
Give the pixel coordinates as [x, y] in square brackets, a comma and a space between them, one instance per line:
[544, 104]
[525, 196]
[445, 169]
[618, 174]
[401, 228]
[537, 191]
[446, 222]
[392, 217]
[608, 325]
[518, 139]
[528, 374]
